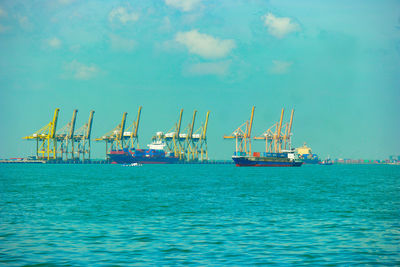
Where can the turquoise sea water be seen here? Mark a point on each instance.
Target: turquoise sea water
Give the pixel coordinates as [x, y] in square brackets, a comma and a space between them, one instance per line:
[199, 214]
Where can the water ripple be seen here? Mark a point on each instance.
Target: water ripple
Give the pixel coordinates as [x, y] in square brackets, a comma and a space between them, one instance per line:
[59, 215]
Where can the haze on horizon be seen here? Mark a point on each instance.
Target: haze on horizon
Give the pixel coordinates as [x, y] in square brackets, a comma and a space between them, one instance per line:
[337, 63]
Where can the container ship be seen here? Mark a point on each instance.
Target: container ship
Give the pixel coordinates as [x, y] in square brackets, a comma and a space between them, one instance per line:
[155, 154]
[284, 159]
[305, 153]
[277, 143]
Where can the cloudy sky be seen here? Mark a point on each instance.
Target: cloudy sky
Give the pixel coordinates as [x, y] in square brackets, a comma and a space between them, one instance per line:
[337, 63]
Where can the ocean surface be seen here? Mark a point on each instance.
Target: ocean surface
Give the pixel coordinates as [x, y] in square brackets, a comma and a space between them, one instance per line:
[63, 215]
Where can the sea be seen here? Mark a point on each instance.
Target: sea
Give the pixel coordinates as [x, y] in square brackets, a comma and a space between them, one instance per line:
[112, 215]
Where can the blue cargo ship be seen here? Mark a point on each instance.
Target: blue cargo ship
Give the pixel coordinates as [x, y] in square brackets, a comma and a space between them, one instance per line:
[154, 155]
[284, 159]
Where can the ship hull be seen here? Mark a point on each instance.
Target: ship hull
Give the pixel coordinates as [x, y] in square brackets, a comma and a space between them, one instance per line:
[311, 161]
[127, 157]
[245, 161]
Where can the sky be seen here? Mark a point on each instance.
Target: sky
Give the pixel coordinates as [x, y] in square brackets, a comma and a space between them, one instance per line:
[337, 63]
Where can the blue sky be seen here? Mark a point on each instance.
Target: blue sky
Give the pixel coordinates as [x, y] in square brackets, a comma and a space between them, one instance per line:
[336, 62]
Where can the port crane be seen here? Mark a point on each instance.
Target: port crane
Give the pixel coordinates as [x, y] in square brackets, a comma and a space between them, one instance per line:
[186, 144]
[242, 136]
[131, 134]
[278, 136]
[46, 141]
[82, 138]
[114, 139]
[173, 138]
[288, 133]
[65, 139]
[189, 145]
[200, 141]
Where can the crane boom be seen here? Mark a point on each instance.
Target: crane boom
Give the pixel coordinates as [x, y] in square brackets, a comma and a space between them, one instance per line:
[205, 125]
[72, 129]
[121, 132]
[137, 122]
[192, 124]
[89, 127]
[54, 123]
[290, 123]
[178, 128]
[280, 124]
[251, 122]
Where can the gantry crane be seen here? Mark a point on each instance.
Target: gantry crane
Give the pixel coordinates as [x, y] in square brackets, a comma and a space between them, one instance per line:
[200, 141]
[132, 133]
[275, 141]
[242, 136]
[173, 139]
[82, 138]
[189, 143]
[46, 143]
[288, 133]
[114, 139]
[65, 138]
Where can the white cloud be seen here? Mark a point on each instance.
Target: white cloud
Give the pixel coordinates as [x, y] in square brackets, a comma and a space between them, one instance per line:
[280, 67]
[205, 45]
[54, 42]
[279, 27]
[121, 14]
[81, 71]
[121, 44]
[183, 5]
[2, 13]
[210, 68]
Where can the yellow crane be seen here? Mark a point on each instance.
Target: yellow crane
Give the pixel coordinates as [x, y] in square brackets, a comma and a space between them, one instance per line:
[242, 136]
[46, 143]
[132, 132]
[173, 138]
[65, 137]
[189, 144]
[273, 135]
[114, 139]
[82, 137]
[288, 133]
[200, 141]
[278, 140]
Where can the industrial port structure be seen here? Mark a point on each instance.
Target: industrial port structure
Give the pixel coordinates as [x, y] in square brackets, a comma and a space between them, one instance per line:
[277, 137]
[187, 146]
[69, 145]
[121, 138]
[66, 144]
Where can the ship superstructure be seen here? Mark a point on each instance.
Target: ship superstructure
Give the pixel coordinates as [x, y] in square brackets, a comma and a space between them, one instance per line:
[305, 153]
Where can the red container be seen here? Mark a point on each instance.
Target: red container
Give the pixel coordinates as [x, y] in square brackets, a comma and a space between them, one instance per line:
[256, 154]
